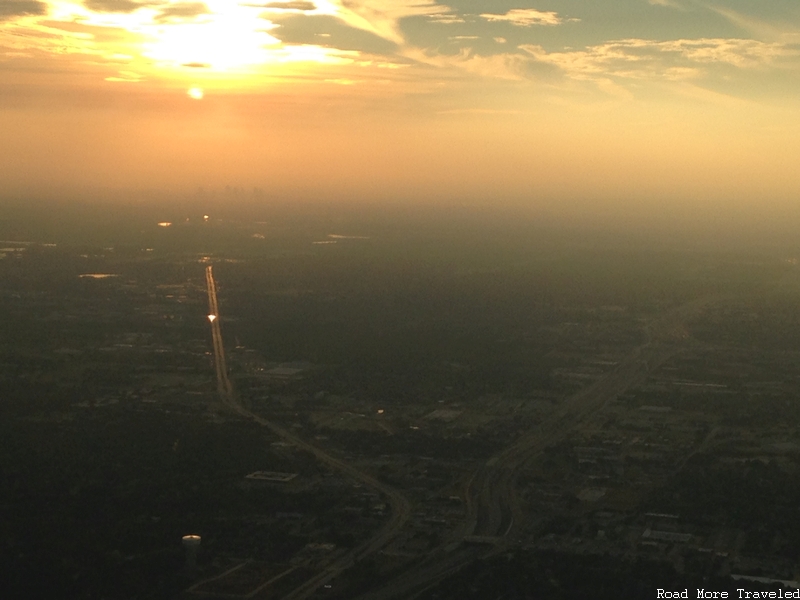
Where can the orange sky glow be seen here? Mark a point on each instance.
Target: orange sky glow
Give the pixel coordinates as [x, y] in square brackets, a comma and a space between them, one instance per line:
[638, 101]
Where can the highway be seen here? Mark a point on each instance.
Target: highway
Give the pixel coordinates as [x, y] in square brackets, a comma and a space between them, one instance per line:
[224, 387]
[494, 513]
[493, 504]
[400, 507]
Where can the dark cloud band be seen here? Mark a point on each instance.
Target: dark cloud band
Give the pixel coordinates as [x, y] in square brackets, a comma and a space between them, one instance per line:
[19, 8]
[119, 6]
[184, 10]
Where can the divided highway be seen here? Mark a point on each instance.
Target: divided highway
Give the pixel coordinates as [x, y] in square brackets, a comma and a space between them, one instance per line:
[494, 513]
[400, 507]
[224, 387]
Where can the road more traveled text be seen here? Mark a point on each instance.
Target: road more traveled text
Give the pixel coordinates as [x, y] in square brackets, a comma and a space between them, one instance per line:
[740, 593]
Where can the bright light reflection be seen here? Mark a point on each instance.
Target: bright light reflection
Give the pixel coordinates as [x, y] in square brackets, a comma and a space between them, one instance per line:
[211, 318]
[232, 36]
[229, 36]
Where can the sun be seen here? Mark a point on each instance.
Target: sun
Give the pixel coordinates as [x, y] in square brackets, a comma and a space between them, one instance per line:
[214, 43]
[230, 37]
[195, 93]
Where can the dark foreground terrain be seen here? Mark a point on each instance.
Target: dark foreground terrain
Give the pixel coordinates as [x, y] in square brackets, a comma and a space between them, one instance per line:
[446, 405]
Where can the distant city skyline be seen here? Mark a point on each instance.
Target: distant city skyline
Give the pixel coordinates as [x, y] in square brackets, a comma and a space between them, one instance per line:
[570, 105]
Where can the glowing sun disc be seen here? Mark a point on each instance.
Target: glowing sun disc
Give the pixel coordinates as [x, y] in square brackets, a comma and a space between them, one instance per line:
[195, 93]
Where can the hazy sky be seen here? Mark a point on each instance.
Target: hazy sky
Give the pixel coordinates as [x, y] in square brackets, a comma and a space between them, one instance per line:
[683, 103]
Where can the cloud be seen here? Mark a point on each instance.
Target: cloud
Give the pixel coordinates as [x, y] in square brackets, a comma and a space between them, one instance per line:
[618, 66]
[125, 77]
[294, 6]
[446, 19]
[508, 66]
[59, 38]
[525, 17]
[18, 8]
[182, 11]
[670, 60]
[784, 32]
[741, 53]
[382, 17]
[118, 6]
[667, 3]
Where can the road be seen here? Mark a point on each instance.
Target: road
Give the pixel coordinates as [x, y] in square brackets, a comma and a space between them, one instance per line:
[400, 507]
[224, 387]
[494, 512]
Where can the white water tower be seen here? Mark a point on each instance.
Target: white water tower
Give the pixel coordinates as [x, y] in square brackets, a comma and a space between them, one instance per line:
[191, 543]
